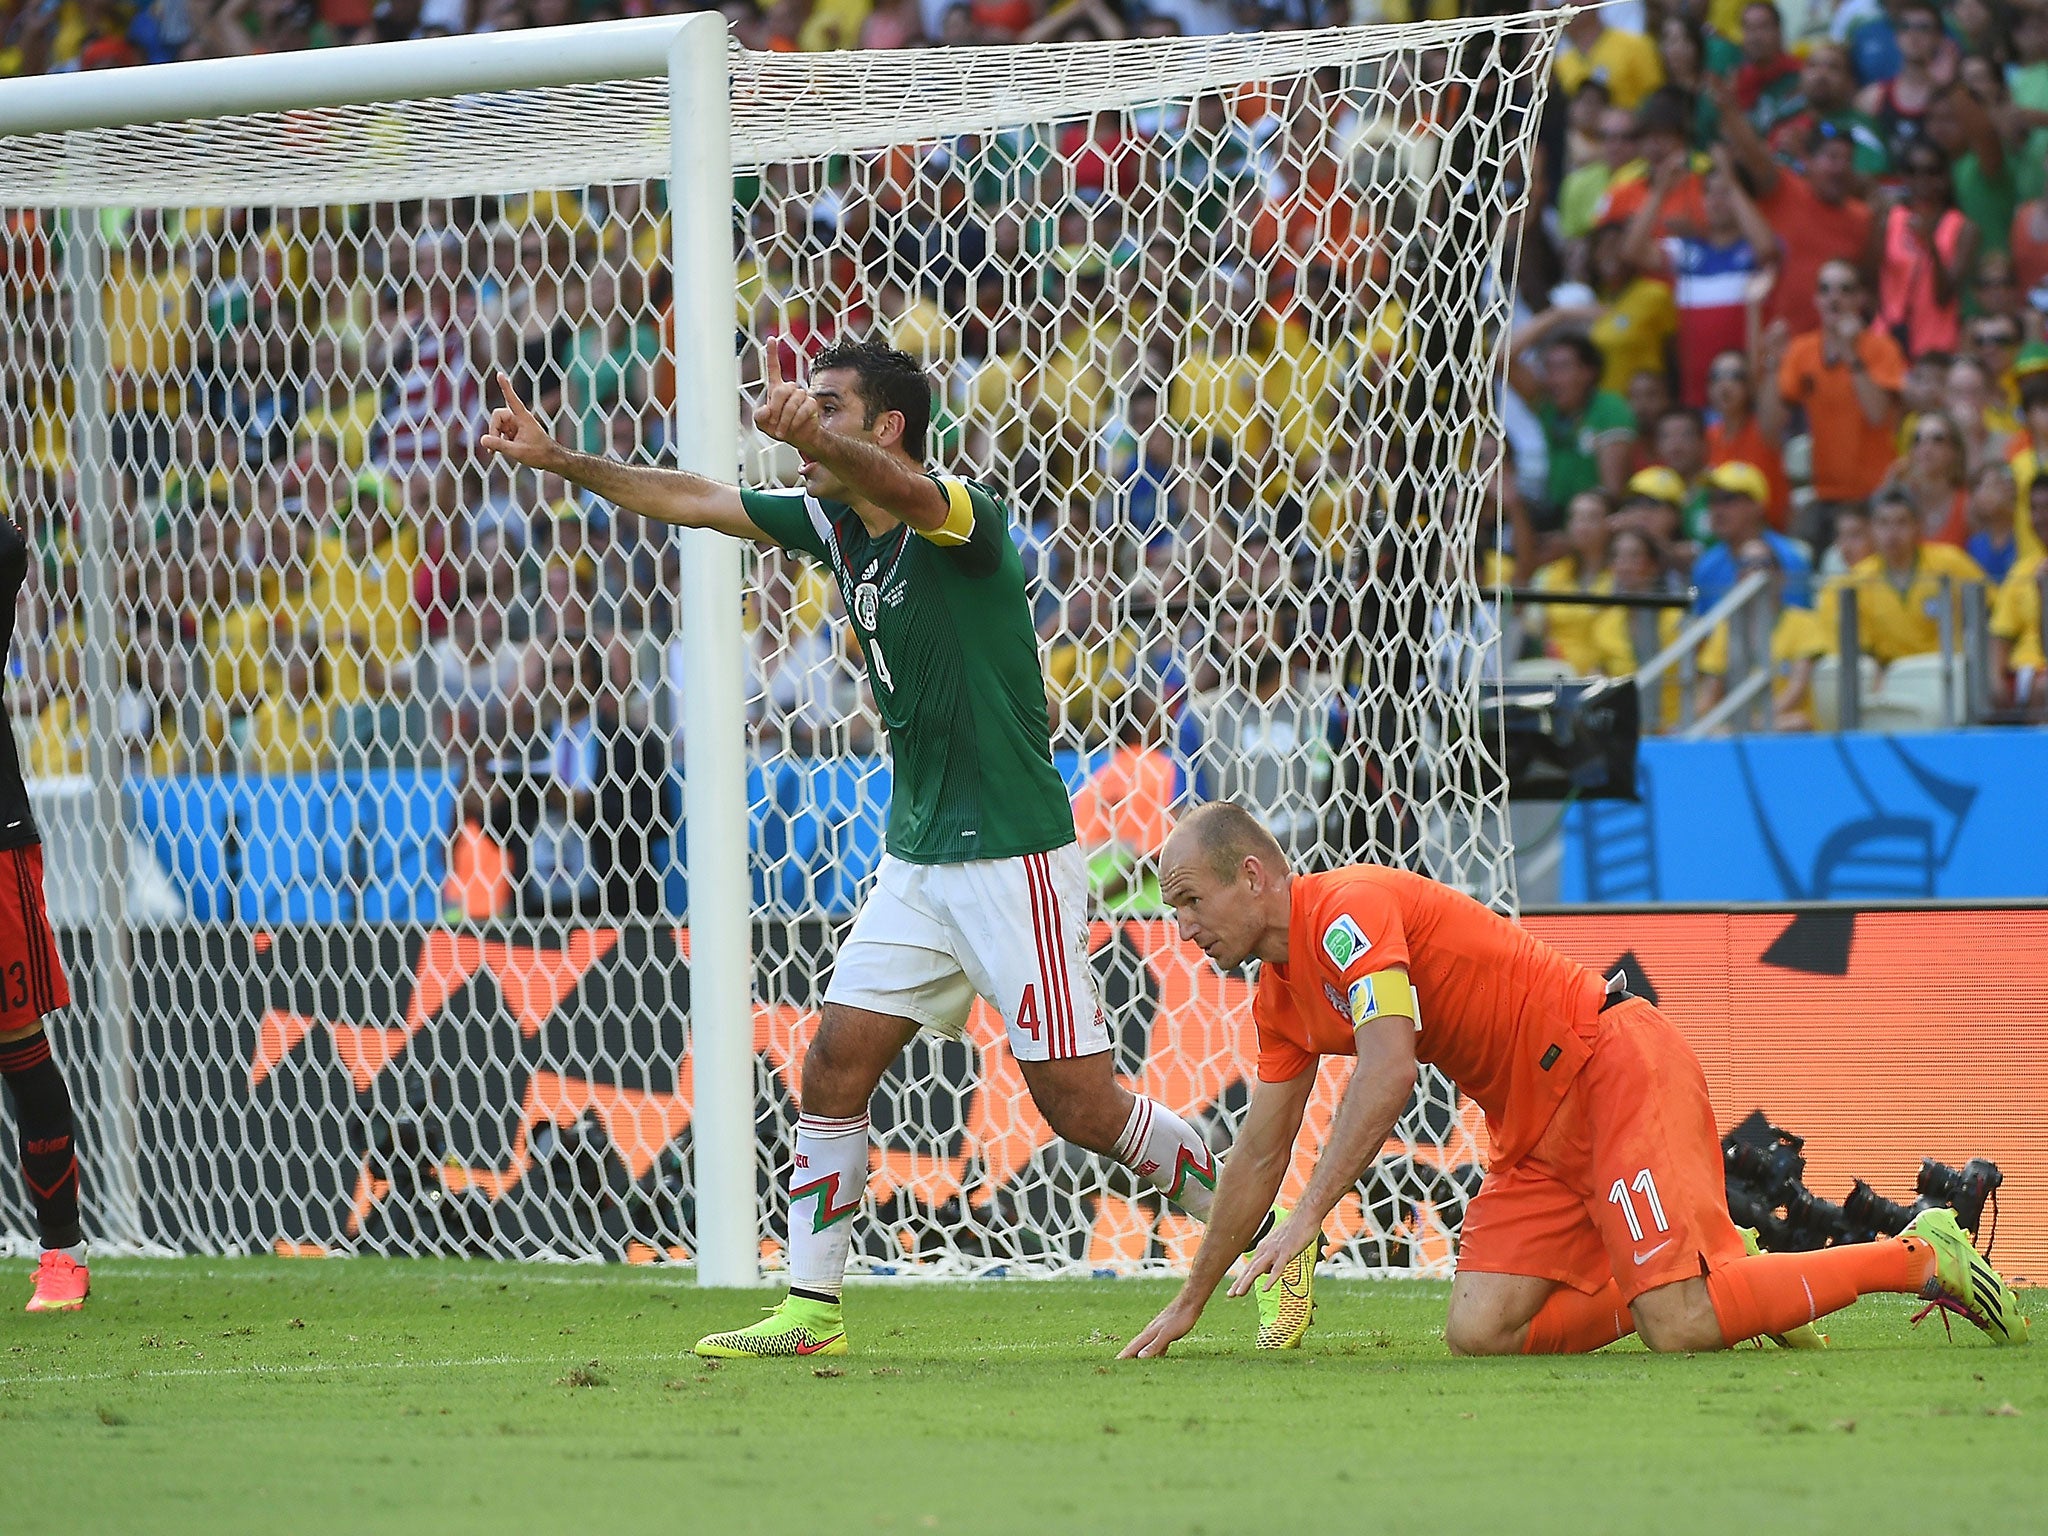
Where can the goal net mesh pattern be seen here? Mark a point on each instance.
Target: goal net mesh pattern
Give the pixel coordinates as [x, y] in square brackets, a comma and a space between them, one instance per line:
[358, 756]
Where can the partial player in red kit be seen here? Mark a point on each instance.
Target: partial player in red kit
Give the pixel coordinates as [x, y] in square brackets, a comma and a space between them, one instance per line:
[32, 985]
[1603, 1211]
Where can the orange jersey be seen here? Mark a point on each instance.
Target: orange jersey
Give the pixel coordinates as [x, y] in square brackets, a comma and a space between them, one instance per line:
[1503, 1015]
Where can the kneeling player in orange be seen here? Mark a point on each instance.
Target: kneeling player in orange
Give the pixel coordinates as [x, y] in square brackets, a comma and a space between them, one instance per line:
[1603, 1212]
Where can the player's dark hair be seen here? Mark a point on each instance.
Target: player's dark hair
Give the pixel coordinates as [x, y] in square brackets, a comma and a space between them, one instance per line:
[889, 381]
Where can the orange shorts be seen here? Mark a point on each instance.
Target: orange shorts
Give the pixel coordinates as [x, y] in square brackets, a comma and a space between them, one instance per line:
[1626, 1181]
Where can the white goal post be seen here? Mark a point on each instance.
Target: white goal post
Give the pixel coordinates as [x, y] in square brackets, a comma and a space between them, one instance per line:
[1277, 264]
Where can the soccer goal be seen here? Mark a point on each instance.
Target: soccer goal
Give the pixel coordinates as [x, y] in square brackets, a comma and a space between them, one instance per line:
[449, 865]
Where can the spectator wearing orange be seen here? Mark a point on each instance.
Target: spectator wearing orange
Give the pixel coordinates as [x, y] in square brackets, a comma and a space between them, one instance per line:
[1898, 587]
[1924, 249]
[1664, 126]
[1813, 213]
[1733, 432]
[1845, 376]
[1125, 810]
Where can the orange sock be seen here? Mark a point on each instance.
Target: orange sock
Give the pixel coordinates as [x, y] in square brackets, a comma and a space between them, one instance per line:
[1773, 1292]
[1572, 1323]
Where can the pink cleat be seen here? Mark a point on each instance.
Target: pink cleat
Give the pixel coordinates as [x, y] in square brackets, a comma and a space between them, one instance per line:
[62, 1284]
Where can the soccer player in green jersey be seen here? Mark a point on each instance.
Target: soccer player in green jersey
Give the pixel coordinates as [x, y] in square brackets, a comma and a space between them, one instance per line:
[982, 888]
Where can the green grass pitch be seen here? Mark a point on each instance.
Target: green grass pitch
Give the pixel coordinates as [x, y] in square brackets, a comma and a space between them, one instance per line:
[371, 1395]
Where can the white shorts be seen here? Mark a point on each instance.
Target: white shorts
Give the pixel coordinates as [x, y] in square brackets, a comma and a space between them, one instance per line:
[928, 937]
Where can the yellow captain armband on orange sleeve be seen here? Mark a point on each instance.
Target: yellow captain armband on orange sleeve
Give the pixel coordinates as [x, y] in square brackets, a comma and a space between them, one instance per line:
[958, 527]
[1383, 995]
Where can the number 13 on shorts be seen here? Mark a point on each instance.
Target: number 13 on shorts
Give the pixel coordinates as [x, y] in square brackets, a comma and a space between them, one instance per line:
[1646, 1186]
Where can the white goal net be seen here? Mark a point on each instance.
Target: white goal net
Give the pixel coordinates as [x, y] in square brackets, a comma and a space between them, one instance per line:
[359, 759]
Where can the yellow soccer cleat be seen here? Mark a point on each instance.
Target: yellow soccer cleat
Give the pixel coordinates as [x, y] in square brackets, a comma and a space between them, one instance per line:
[1287, 1297]
[1806, 1335]
[799, 1326]
[1964, 1281]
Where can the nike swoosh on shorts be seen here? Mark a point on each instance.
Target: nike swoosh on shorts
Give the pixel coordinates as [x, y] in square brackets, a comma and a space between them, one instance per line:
[1644, 1258]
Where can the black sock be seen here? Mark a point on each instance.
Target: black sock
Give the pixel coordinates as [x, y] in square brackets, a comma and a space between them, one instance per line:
[49, 1161]
[1265, 1227]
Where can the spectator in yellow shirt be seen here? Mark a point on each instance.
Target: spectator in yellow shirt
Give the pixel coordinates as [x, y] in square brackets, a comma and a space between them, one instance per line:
[1625, 638]
[1637, 318]
[1898, 588]
[1626, 61]
[2019, 643]
[1567, 628]
[1797, 641]
[340, 405]
[289, 730]
[151, 309]
[59, 745]
[361, 597]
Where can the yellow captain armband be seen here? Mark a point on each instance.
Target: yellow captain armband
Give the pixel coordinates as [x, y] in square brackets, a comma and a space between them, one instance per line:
[958, 527]
[1383, 995]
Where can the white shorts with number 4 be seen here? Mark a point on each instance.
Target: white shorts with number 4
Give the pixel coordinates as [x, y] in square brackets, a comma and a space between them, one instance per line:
[928, 937]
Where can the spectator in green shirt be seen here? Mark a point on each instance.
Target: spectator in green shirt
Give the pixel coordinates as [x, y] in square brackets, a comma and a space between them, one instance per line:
[1828, 85]
[1589, 432]
[1960, 126]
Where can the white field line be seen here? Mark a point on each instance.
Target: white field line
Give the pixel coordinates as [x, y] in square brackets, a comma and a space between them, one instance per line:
[977, 1350]
[659, 1276]
[318, 1368]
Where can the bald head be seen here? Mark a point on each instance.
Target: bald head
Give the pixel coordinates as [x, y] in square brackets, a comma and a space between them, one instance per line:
[1222, 836]
[1227, 881]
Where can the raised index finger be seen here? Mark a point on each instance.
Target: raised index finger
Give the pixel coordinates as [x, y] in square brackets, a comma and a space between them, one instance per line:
[512, 400]
[774, 350]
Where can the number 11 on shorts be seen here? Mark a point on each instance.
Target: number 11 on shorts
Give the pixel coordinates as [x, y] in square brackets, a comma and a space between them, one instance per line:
[1645, 1186]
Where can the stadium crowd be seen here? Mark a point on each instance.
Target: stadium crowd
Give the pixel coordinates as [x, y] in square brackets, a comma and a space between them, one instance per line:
[1780, 308]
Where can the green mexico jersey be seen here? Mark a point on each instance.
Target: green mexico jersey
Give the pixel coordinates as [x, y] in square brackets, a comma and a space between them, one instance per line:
[953, 660]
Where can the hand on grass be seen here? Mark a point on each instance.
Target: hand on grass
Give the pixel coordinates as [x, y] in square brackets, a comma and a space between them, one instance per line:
[1173, 1323]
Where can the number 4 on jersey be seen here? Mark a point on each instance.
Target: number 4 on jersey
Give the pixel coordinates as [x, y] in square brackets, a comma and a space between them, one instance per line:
[1027, 1010]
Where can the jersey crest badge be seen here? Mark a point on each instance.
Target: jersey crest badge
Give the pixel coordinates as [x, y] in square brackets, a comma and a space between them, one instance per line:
[1344, 941]
[1337, 998]
[1364, 1003]
[867, 604]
